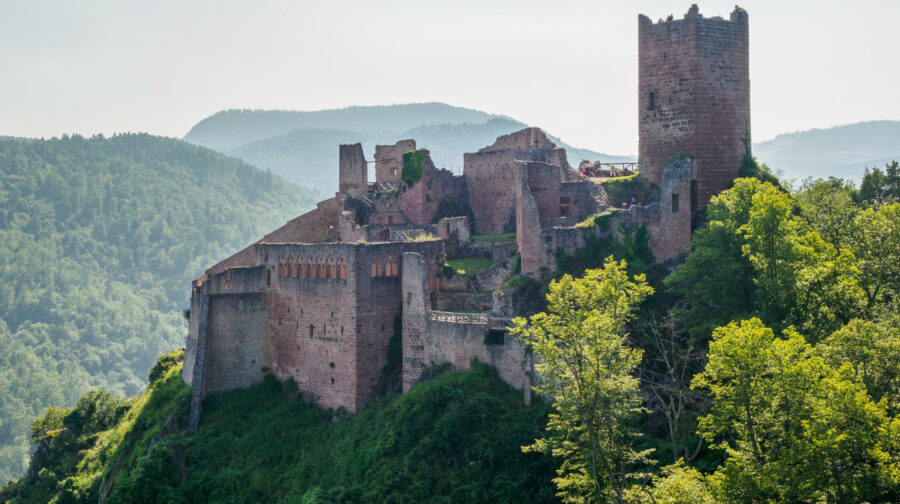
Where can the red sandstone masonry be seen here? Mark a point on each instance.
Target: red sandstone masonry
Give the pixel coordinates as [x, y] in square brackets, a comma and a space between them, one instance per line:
[697, 70]
[389, 160]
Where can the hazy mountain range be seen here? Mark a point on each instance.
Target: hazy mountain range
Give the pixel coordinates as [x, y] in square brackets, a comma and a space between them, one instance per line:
[841, 151]
[302, 146]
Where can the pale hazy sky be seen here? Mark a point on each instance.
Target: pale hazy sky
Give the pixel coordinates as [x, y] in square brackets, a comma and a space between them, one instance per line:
[569, 67]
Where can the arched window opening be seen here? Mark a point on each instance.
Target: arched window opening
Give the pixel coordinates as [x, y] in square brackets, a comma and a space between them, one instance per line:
[652, 104]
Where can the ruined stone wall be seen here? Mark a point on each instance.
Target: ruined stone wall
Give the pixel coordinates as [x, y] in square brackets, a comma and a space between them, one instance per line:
[694, 96]
[450, 226]
[528, 226]
[673, 234]
[462, 301]
[420, 202]
[544, 183]
[491, 181]
[458, 343]
[416, 302]
[353, 171]
[389, 160]
[576, 202]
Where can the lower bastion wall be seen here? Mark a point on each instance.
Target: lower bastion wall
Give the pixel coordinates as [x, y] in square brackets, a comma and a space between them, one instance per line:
[433, 337]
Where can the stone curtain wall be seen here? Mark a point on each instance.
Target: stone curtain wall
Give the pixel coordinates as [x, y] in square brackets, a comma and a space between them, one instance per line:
[694, 96]
[237, 347]
[312, 319]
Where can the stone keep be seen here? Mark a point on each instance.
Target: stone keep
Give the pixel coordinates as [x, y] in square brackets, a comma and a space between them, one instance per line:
[694, 97]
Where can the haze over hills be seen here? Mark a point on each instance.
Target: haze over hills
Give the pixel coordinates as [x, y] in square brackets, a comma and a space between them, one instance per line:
[841, 151]
[302, 147]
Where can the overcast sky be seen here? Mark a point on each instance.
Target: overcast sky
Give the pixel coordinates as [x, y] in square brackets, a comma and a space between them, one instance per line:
[569, 67]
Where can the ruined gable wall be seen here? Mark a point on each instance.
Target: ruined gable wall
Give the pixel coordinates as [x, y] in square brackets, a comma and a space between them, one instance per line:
[421, 201]
[312, 319]
[491, 181]
[389, 160]
[528, 138]
[698, 72]
[312, 227]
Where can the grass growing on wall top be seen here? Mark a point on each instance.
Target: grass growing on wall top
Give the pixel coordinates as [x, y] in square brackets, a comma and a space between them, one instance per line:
[469, 266]
[503, 237]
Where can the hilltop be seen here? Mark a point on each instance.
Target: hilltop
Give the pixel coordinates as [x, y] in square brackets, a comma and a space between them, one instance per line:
[99, 239]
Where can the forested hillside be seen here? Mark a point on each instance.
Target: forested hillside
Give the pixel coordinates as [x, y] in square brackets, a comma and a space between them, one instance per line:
[302, 147]
[99, 239]
[455, 438]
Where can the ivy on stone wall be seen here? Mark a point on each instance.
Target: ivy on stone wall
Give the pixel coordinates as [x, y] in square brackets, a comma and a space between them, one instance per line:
[412, 167]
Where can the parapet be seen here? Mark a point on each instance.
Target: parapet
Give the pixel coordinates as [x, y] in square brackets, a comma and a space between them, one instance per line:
[738, 15]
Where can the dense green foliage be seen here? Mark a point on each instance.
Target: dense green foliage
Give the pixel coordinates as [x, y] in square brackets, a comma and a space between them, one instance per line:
[455, 438]
[588, 370]
[796, 296]
[99, 239]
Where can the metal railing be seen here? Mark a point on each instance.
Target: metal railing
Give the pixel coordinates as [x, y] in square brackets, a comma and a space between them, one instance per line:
[458, 318]
[406, 234]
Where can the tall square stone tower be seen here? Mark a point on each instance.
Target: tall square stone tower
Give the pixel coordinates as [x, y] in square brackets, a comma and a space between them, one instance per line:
[694, 97]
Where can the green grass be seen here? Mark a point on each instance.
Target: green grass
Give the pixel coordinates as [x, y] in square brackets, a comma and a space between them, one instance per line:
[469, 266]
[504, 237]
[600, 219]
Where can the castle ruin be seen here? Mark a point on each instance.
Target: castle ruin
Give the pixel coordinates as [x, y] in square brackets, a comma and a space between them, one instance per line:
[319, 299]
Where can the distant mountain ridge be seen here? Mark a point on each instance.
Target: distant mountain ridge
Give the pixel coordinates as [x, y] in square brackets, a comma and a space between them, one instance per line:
[841, 151]
[302, 147]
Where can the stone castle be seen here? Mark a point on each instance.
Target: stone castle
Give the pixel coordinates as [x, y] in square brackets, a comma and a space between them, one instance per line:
[317, 300]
